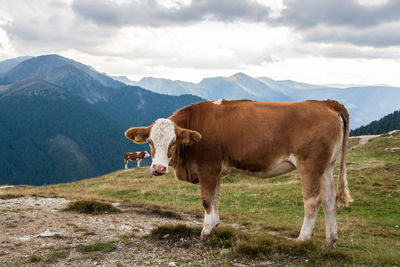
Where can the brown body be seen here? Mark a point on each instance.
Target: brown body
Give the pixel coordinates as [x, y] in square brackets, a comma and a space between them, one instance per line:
[134, 156]
[264, 139]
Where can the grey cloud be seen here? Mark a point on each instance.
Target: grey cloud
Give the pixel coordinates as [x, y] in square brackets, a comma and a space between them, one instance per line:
[380, 36]
[304, 14]
[150, 13]
[60, 29]
[344, 21]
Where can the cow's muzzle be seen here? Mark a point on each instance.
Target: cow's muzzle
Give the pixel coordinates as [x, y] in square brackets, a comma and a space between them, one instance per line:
[158, 170]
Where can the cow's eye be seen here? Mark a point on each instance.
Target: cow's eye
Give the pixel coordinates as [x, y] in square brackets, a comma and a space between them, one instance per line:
[173, 143]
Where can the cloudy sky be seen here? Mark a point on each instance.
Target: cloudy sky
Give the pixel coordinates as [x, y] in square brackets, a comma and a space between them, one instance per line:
[314, 41]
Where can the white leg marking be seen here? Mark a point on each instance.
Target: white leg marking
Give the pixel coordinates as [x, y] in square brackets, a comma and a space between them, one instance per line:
[307, 228]
[126, 165]
[138, 163]
[329, 206]
[211, 220]
[310, 209]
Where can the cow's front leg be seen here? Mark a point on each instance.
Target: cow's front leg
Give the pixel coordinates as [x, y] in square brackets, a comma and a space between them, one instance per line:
[138, 163]
[210, 198]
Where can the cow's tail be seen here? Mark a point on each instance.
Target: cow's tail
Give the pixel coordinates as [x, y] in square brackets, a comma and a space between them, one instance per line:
[343, 198]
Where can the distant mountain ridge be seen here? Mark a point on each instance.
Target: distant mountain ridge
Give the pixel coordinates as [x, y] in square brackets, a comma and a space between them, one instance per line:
[365, 103]
[61, 120]
[8, 64]
[63, 72]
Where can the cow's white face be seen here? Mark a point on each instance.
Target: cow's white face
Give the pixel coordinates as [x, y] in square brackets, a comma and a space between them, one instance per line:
[146, 154]
[164, 137]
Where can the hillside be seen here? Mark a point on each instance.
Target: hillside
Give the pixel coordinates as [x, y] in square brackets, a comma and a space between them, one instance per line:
[260, 218]
[41, 143]
[386, 124]
[61, 120]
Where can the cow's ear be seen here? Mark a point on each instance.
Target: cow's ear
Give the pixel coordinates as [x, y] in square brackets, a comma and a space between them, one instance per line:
[138, 134]
[187, 137]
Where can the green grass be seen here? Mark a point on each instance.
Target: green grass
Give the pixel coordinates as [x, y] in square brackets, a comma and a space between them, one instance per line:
[101, 247]
[369, 229]
[35, 258]
[251, 245]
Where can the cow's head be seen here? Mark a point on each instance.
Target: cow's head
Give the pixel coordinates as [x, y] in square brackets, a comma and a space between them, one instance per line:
[164, 137]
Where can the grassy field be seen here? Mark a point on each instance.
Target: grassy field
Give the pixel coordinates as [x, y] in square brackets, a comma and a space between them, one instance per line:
[272, 209]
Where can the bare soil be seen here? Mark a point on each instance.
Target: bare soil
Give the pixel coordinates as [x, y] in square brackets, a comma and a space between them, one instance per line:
[362, 140]
[35, 231]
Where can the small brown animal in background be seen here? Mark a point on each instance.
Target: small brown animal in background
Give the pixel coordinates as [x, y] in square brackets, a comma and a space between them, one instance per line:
[135, 156]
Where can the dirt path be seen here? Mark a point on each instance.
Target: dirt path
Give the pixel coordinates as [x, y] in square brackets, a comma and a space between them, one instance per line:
[362, 140]
[35, 231]
[24, 223]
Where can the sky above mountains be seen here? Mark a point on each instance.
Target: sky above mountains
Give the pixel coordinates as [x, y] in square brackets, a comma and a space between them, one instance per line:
[313, 41]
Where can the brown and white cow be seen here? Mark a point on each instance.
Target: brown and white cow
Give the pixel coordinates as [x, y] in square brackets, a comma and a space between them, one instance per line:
[204, 140]
[135, 156]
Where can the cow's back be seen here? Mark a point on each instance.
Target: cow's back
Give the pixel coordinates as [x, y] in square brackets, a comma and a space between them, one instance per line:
[253, 135]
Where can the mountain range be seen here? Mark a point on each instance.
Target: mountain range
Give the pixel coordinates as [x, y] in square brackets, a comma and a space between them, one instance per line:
[61, 120]
[364, 103]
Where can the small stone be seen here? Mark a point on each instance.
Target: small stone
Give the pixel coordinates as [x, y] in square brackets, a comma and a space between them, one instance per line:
[266, 263]
[238, 264]
[165, 236]
[224, 251]
[172, 264]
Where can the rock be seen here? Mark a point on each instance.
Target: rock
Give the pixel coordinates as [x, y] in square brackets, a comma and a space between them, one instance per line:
[172, 264]
[392, 149]
[266, 263]
[165, 236]
[47, 233]
[238, 264]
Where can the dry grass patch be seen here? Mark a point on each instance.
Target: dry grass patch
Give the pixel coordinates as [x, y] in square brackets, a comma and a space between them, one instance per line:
[10, 196]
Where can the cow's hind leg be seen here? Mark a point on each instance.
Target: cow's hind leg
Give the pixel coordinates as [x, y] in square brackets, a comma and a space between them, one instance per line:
[312, 197]
[126, 164]
[210, 199]
[329, 205]
[311, 207]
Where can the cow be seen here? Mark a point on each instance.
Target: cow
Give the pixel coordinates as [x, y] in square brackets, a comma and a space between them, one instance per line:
[135, 156]
[206, 140]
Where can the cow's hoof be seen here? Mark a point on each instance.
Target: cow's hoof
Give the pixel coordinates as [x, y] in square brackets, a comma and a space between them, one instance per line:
[204, 237]
[329, 243]
[205, 234]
